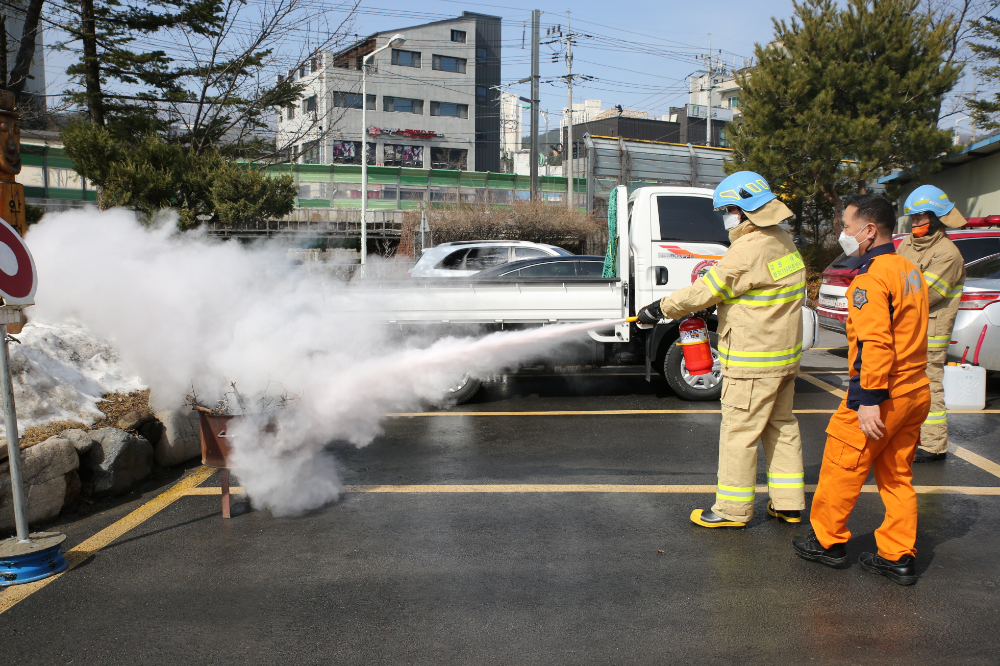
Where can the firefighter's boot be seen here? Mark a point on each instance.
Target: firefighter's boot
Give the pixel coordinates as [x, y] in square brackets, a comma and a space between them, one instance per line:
[706, 518]
[785, 515]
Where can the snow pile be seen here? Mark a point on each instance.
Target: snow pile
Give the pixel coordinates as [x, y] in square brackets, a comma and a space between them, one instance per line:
[61, 372]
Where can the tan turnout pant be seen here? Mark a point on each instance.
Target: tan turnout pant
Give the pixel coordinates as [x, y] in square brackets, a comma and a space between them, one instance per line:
[758, 409]
[934, 431]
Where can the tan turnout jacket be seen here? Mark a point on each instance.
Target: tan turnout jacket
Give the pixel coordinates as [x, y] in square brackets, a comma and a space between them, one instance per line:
[759, 285]
[944, 270]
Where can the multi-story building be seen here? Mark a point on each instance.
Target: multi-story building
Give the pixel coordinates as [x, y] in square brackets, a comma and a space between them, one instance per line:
[432, 102]
[510, 132]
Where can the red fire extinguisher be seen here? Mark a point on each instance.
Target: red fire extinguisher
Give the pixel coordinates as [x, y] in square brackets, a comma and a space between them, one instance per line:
[697, 349]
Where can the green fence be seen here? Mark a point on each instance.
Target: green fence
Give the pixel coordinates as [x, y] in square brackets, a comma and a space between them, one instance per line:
[339, 186]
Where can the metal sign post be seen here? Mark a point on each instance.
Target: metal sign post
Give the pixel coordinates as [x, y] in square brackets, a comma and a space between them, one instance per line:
[25, 557]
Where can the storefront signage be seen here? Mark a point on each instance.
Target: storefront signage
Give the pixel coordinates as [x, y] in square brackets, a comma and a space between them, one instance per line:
[409, 133]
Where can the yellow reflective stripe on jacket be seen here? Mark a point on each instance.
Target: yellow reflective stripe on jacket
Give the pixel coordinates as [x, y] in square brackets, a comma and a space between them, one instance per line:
[936, 417]
[786, 480]
[936, 341]
[717, 286]
[750, 359]
[770, 296]
[938, 284]
[735, 493]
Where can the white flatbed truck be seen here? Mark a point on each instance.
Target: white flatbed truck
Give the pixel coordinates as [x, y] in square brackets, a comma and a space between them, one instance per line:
[668, 237]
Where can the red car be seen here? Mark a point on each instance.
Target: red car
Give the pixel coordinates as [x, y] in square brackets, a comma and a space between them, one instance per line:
[973, 242]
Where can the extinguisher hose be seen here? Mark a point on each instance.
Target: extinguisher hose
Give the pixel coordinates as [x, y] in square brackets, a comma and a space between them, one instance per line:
[979, 345]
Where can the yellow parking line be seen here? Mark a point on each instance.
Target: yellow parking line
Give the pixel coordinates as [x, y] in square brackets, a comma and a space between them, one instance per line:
[982, 463]
[821, 384]
[79, 553]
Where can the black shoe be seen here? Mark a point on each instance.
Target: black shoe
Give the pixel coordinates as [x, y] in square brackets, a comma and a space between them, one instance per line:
[809, 547]
[706, 518]
[784, 514]
[903, 571]
[926, 456]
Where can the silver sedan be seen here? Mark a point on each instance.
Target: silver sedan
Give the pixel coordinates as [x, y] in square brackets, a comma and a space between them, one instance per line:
[977, 326]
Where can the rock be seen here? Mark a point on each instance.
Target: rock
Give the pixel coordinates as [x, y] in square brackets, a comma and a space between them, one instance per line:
[73, 487]
[117, 461]
[151, 431]
[181, 438]
[44, 469]
[135, 419]
[80, 438]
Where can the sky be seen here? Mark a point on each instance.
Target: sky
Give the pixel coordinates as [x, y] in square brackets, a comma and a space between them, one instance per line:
[640, 54]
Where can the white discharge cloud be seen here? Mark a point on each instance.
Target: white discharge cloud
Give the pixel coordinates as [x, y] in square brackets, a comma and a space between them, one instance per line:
[187, 311]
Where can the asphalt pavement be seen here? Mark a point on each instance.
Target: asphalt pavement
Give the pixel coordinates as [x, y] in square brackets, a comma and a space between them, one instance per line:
[544, 523]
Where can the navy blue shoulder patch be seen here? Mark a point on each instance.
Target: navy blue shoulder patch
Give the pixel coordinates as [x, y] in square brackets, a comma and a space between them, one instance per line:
[860, 298]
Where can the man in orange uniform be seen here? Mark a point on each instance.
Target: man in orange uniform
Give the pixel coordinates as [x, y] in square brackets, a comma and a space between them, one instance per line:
[878, 423]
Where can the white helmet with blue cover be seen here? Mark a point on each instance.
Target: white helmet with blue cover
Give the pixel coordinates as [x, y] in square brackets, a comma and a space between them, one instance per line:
[930, 199]
[750, 192]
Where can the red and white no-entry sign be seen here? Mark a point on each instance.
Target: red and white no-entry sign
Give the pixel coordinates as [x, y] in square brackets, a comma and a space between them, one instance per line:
[18, 279]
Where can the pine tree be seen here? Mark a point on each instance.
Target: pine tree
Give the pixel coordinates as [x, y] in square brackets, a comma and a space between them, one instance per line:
[986, 112]
[842, 96]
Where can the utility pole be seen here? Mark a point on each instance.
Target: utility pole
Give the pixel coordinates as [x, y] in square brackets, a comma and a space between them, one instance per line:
[568, 152]
[536, 17]
[711, 85]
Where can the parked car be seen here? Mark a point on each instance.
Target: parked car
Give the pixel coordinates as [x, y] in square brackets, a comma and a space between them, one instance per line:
[974, 244]
[574, 266]
[979, 315]
[465, 258]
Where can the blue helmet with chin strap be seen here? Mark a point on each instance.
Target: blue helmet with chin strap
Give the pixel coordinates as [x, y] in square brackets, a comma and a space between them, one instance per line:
[745, 189]
[927, 199]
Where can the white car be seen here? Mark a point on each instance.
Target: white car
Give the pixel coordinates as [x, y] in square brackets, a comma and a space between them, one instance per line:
[977, 324]
[465, 258]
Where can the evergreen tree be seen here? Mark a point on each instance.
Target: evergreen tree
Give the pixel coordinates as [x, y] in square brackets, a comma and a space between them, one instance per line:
[842, 96]
[986, 112]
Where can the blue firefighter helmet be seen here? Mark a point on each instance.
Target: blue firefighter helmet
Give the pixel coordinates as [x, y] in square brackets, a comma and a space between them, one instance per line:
[745, 189]
[927, 199]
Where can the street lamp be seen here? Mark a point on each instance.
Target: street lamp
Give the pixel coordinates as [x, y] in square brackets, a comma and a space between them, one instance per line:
[397, 40]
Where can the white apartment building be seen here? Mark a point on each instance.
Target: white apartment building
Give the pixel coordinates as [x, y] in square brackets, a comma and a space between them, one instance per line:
[722, 93]
[431, 103]
[511, 124]
[582, 112]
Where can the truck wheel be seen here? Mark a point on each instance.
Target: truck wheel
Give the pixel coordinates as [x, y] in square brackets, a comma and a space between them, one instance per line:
[693, 387]
[463, 390]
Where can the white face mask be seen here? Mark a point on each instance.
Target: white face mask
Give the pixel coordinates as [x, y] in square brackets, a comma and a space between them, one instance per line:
[850, 244]
[730, 220]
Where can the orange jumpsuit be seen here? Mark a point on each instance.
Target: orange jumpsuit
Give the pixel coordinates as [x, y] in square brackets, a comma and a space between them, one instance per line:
[887, 334]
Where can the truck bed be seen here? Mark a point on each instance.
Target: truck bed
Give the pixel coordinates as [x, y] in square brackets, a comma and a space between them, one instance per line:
[496, 301]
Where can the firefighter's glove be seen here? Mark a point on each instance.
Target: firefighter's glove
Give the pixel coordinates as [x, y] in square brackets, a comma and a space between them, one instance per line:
[650, 314]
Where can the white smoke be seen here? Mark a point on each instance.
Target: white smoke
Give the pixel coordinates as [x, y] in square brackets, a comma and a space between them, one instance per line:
[189, 312]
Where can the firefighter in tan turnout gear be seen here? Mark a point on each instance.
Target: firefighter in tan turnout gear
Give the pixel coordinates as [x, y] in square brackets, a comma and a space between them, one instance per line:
[759, 286]
[930, 250]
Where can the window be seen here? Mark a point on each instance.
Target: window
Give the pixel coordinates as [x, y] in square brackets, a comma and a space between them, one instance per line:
[346, 152]
[458, 36]
[348, 100]
[453, 260]
[403, 105]
[690, 219]
[310, 153]
[550, 269]
[407, 156]
[314, 65]
[480, 94]
[590, 268]
[734, 102]
[988, 268]
[481, 258]
[977, 248]
[527, 253]
[456, 159]
[449, 64]
[449, 109]
[302, 71]
[480, 56]
[310, 104]
[291, 112]
[406, 58]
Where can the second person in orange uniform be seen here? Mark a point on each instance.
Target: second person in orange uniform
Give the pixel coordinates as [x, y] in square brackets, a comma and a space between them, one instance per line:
[877, 426]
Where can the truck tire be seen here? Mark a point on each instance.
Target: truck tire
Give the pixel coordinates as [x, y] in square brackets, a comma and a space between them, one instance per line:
[693, 387]
[463, 390]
